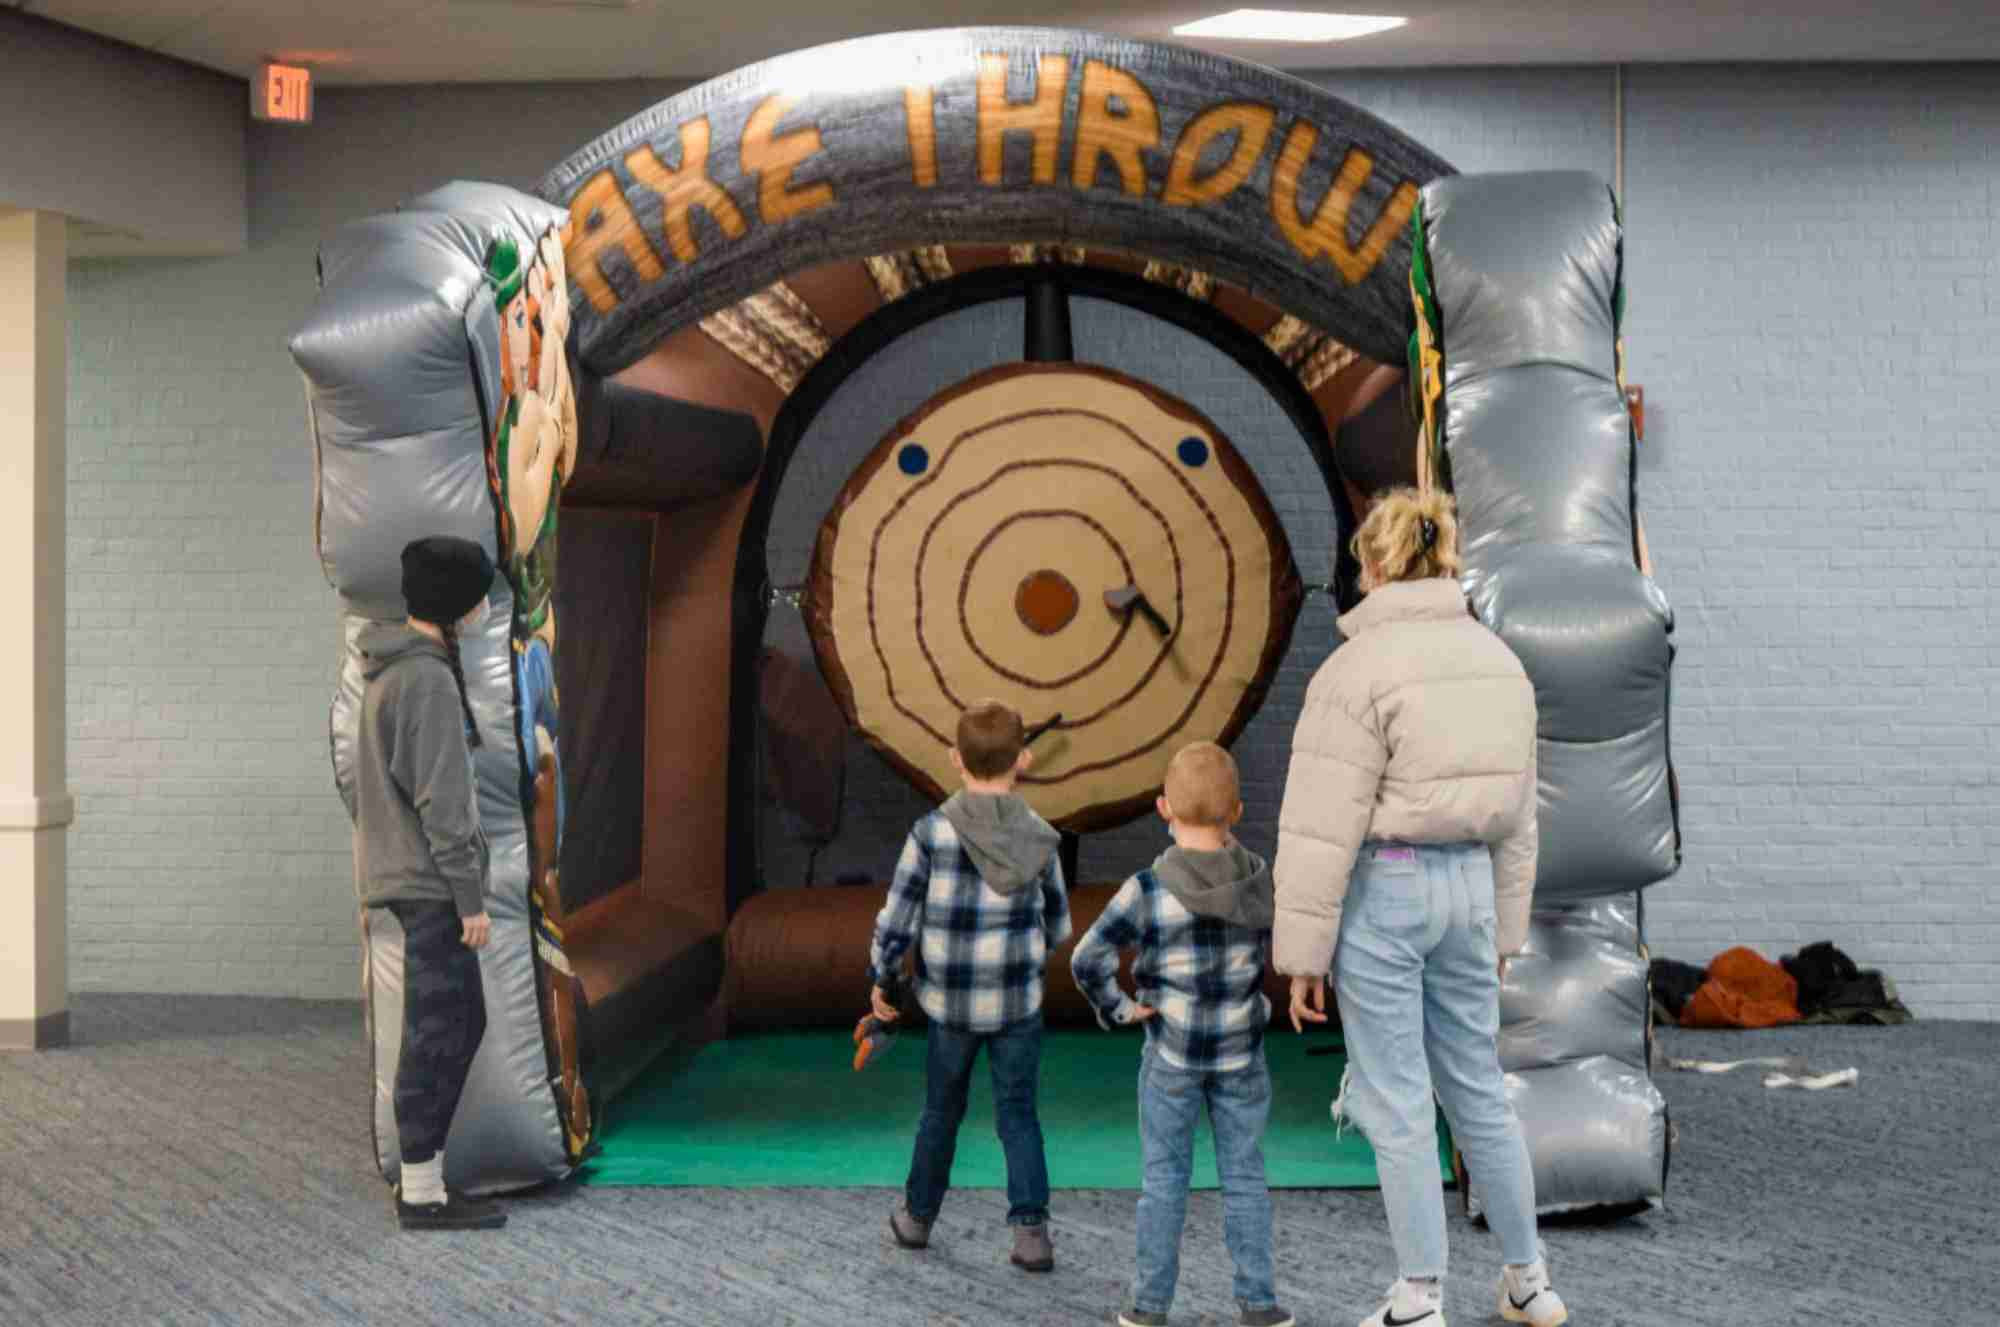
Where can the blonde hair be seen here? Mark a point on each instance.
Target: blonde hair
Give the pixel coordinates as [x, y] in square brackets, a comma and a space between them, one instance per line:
[1409, 536]
[1201, 786]
[989, 739]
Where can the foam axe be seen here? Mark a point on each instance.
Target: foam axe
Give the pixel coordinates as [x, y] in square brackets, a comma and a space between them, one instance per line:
[1126, 598]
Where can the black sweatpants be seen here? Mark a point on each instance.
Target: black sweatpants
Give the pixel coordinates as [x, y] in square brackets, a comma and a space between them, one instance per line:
[444, 1017]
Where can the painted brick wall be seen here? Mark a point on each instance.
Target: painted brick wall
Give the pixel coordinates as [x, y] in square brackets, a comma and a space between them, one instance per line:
[1815, 316]
[1813, 310]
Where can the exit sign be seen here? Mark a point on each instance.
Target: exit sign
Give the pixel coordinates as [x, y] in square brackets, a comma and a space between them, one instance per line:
[282, 92]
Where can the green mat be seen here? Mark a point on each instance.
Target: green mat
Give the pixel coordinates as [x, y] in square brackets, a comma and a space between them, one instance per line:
[785, 1110]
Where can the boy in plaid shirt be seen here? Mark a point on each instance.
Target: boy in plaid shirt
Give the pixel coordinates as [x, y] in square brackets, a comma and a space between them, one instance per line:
[978, 897]
[1200, 917]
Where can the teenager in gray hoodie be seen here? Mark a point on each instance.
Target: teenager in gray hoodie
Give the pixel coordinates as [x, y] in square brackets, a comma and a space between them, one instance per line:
[420, 854]
[1200, 918]
[978, 897]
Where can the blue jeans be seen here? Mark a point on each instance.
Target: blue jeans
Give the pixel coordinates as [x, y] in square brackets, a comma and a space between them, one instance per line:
[1170, 1102]
[1416, 975]
[1014, 1055]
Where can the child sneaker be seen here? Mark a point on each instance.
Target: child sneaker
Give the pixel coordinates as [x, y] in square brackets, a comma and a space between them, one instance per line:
[1033, 1251]
[909, 1232]
[1410, 1302]
[1525, 1296]
[1141, 1318]
[1271, 1317]
[456, 1212]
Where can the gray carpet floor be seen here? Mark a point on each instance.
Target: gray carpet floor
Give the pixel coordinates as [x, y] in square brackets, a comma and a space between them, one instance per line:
[206, 1160]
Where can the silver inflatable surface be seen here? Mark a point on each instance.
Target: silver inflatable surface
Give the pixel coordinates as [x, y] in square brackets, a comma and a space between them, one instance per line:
[1517, 281]
[1574, 1042]
[1522, 311]
[400, 355]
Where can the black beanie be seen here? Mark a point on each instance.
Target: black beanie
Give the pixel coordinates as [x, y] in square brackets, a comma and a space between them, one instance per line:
[444, 578]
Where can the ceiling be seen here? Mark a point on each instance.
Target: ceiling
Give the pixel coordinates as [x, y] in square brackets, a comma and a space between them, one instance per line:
[425, 41]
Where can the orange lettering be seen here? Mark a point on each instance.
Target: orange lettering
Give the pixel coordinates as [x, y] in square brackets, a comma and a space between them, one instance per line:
[1119, 135]
[772, 157]
[1326, 233]
[1250, 123]
[922, 125]
[684, 189]
[601, 219]
[1041, 117]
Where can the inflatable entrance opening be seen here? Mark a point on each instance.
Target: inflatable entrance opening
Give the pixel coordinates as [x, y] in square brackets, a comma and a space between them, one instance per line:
[812, 404]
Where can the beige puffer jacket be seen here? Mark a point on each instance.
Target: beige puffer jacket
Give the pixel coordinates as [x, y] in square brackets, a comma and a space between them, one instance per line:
[1420, 729]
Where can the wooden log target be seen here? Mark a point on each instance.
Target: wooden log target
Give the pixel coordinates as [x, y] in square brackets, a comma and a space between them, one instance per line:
[989, 547]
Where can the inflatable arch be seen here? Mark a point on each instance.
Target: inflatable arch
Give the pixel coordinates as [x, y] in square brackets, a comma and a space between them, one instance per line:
[611, 378]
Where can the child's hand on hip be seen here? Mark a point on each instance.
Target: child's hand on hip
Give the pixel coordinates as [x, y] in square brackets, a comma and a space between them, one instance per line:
[1141, 1012]
[885, 1011]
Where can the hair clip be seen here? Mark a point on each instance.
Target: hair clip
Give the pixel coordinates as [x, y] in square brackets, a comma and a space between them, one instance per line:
[1429, 529]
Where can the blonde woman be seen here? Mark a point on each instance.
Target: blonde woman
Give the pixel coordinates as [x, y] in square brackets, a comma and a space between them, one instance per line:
[1406, 865]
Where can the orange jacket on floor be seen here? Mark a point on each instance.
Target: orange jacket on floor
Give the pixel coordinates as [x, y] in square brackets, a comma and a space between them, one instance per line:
[1744, 990]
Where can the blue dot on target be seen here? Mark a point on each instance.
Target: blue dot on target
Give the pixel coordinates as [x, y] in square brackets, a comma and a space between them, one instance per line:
[1193, 452]
[913, 459]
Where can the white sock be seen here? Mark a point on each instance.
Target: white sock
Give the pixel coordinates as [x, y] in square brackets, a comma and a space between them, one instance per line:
[1414, 1295]
[423, 1181]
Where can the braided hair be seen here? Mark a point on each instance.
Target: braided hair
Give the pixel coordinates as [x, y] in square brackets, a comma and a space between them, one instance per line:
[458, 676]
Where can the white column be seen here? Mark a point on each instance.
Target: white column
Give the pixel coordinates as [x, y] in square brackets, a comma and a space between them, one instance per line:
[35, 805]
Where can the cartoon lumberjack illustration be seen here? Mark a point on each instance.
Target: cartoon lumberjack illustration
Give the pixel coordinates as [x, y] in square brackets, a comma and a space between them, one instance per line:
[533, 453]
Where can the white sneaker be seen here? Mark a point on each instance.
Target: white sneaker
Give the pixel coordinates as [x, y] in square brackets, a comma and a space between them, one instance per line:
[1525, 1296]
[1410, 1302]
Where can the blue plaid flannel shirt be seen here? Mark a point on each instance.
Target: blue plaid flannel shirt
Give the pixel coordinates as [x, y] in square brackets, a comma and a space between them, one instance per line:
[1204, 976]
[979, 953]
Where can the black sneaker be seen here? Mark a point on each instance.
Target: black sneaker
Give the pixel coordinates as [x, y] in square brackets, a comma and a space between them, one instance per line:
[456, 1212]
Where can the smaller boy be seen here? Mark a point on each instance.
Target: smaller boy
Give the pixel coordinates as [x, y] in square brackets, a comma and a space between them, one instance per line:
[979, 893]
[1200, 917]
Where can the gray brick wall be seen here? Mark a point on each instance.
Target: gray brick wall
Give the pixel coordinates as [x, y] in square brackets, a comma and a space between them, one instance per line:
[1815, 316]
[1812, 271]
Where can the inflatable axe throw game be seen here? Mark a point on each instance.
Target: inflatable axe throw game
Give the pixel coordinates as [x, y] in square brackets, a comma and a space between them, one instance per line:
[605, 384]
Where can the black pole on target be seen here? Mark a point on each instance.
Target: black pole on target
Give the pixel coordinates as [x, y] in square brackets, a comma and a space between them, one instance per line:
[1046, 338]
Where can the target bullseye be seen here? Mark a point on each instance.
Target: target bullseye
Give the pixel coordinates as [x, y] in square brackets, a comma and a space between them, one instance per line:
[1046, 602]
[1073, 541]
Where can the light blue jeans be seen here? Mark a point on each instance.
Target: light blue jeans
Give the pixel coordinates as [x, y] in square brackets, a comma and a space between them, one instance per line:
[1239, 1105]
[1416, 976]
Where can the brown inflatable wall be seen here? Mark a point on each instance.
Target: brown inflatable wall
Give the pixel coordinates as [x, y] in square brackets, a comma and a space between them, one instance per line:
[799, 958]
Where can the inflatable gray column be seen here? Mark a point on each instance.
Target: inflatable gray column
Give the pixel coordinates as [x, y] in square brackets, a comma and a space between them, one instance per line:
[402, 356]
[1518, 286]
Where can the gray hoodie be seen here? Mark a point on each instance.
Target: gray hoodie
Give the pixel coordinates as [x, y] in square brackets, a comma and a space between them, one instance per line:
[416, 817]
[1003, 836]
[1233, 885]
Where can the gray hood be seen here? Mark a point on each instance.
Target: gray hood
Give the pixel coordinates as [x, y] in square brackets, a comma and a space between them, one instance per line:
[1233, 885]
[1006, 840]
[384, 643]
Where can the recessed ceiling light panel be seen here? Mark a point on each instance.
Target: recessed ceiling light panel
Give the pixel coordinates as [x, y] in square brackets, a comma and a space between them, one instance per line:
[1288, 25]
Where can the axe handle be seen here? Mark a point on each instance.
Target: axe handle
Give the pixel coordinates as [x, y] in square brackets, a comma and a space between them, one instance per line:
[1041, 728]
[1144, 605]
